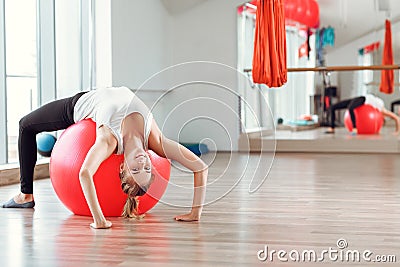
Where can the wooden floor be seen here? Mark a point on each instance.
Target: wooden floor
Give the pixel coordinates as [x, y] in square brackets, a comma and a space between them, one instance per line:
[308, 202]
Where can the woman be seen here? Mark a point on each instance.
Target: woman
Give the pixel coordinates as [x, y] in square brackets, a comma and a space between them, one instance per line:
[124, 125]
[356, 102]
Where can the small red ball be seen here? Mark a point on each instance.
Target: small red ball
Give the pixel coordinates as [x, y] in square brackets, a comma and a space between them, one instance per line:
[369, 120]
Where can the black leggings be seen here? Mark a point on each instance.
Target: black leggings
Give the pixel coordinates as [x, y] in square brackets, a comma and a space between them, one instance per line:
[349, 104]
[397, 102]
[56, 115]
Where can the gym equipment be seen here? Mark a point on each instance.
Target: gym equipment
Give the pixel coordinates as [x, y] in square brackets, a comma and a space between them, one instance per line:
[197, 149]
[369, 120]
[45, 143]
[68, 155]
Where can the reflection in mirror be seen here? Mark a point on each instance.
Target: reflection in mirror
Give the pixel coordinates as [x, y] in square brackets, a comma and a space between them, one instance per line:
[311, 94]
[289, 101]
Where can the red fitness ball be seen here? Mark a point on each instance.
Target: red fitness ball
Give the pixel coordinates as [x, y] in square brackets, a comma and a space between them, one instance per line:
[66, 160]
[369, 120]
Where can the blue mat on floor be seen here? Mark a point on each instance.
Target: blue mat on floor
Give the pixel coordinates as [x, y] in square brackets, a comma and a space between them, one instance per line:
[197, 149]
[301, 123]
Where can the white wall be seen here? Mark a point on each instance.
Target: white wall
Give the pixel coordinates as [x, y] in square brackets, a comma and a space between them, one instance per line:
[207, 32]
[146, 39]
[140, 33]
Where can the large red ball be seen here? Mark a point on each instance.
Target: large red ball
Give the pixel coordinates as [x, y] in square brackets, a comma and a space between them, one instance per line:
[369, 120]
[66, 160]
[305, 12]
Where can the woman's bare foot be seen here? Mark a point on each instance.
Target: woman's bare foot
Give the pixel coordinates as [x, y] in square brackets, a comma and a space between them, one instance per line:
[22, 198]
[330, 130]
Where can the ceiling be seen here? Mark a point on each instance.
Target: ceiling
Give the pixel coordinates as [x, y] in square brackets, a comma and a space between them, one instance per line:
[355, 18]
[350, 18]
[178, 6]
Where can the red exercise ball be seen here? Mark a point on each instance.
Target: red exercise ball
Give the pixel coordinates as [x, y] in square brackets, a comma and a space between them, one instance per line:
[305, 12]
[369, 120]
[312, 15]
[66, 160]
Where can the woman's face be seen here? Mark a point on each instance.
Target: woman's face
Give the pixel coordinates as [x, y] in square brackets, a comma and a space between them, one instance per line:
[139, 167]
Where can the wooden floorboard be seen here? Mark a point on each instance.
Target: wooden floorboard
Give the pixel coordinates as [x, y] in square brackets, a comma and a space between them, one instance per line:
[307, 202]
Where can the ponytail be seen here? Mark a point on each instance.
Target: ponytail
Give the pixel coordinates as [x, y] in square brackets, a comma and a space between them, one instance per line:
[130, 207]
[133, 191]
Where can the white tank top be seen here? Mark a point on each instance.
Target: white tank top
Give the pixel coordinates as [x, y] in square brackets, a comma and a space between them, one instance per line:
[109, 106]
[374, 101]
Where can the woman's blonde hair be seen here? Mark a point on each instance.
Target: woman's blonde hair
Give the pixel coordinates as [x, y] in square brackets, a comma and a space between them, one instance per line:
[133, 191]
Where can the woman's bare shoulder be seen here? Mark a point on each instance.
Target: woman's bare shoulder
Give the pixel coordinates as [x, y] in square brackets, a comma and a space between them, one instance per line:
[105, 134]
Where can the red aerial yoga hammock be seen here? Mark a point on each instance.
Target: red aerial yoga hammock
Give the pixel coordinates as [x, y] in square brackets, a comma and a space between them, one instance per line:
[387, 76]
[269, 59]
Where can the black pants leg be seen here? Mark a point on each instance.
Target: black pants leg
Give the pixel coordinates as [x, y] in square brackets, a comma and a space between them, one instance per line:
[355, 103]
[332, 110]
[350, 104]
[397, 102]
[56, 115]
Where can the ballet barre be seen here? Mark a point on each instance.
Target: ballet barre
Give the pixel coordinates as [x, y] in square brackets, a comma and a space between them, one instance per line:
[341, 68]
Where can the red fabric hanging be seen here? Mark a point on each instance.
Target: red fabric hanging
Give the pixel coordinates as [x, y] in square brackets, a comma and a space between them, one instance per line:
[387, 76]
[269, 60]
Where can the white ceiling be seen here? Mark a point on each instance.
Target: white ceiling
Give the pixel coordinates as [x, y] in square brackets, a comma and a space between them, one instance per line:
[350, 18]
[178, 6]
[355, 18]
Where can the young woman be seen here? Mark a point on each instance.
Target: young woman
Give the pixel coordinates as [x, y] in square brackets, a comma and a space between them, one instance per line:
[124, 125]
[354, 103]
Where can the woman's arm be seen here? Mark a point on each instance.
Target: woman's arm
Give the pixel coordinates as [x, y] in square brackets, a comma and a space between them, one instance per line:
[175, 151]
[103, 147]
[184, 156]
[393, 116]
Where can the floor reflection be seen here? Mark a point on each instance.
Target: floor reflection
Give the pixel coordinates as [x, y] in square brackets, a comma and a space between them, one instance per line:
[127, 241]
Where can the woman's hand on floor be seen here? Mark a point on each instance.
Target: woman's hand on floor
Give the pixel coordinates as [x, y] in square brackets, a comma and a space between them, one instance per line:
[104, 225]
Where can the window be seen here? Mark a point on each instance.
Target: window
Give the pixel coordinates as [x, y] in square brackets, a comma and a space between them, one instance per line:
[46, 53]
[21, 66]
[68, 46]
